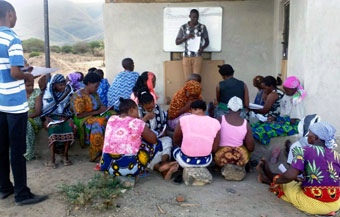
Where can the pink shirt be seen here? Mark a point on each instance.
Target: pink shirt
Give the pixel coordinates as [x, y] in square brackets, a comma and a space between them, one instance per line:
[231, 135]
[199, 133]
[123, 135]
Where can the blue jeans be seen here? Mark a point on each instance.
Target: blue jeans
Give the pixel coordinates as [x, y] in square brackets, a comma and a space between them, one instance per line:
[13, 136]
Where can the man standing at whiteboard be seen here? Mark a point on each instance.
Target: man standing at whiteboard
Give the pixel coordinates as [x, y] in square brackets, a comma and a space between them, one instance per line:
[196, 39]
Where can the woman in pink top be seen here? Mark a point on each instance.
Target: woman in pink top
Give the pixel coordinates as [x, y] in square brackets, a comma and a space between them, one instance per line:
[198, 136]
[236, 137]
[124, 152]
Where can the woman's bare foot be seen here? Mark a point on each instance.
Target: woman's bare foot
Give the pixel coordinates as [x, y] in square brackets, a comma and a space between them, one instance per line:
[262, 178]
[166, 166]
[172, 169]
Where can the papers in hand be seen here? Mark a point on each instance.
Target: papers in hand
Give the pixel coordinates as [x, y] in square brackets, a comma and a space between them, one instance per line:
[108, 109]
[261, 117]
[194, 44]
[37, 71]
[55, 122]
[255, 106]
[161, 133]
[282, 168]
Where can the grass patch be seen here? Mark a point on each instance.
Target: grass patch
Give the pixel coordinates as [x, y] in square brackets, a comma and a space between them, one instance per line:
[99, 193]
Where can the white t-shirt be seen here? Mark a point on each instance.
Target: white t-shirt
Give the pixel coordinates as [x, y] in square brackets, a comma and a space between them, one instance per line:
[288, 109]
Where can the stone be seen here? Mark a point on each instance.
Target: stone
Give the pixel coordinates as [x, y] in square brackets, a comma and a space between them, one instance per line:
[233, 172]
[197, 176]
[127, 182]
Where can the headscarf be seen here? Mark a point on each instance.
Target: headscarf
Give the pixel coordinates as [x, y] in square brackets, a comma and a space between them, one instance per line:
[57, 102]
[180, 98]
[293, 82]
[235, 104]
[75, 80]
[325, 132]
[149, 83]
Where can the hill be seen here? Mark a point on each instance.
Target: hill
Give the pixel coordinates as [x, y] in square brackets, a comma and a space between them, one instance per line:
[70, 22]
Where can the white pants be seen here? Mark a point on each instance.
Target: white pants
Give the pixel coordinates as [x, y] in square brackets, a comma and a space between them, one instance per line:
[167, 145]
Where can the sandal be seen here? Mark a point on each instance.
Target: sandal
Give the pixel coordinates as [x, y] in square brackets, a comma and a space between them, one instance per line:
[51, 165]
[67, 163]
[275, 155]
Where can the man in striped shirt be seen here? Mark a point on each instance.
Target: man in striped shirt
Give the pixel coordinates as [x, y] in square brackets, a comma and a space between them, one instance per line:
[13, 112]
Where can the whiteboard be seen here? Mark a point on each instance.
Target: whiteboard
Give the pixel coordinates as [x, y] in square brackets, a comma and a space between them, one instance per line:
[175, 17]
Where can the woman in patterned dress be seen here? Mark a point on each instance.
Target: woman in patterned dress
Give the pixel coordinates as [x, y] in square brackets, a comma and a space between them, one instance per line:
[318, 192]
[90, 116]
[124, 152]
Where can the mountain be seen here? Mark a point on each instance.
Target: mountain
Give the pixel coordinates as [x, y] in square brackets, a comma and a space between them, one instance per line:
[70, 21]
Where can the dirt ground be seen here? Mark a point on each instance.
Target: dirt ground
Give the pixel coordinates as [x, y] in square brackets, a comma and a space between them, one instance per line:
[221, 198]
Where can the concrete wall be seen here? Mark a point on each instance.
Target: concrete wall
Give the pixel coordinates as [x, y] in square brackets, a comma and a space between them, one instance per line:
[314, 55]
[136, 30]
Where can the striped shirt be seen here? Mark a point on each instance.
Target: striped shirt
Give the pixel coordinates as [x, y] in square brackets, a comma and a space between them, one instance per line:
[12, 92]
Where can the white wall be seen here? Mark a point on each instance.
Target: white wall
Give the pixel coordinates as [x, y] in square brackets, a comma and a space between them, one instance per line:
[314, 55]
[136, 30]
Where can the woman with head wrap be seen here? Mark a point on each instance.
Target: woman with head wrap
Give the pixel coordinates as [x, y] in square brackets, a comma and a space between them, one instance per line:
[319, 192]
[145, 82]
[75, 80]
[56, 108]
[90, 115]
[181, 101]
[290, 113]
[236, 137]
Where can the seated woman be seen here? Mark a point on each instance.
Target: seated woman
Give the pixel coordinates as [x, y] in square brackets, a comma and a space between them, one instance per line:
[124, 152]
[181, 101]
[90, 115]
[229, 88]
[319, 192]
[290, 112]
[145, 82]
[236, 137]
[34, 124]
[155, 118]
[271, 107]
[56, 107]
[197, 136]
[122, 84]
[260, 96]
[103, 87]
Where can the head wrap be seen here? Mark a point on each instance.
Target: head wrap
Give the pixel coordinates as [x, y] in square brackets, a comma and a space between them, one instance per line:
[149, 83]
[235, 104]
[181, 97]
[193, 88]
[74, 80]
[325, 132]
[293, 82]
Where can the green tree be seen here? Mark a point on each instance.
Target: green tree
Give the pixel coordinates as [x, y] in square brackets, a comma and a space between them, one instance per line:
[66, 49]
[34, 54]
[33, 45]
[55, 49]
[80, 47]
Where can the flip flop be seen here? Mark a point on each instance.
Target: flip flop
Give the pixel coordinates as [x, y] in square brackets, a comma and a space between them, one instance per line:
[68, 163]
[51, 165]
[97, 168]
[275, 155]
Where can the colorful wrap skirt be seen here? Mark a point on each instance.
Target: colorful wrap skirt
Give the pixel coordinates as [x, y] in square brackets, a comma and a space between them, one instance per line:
[91, 131]
[186, 161]
[60, 133]
[33, 127]
[294, 194]
[232, 155]
[130, 165]
[263, 132]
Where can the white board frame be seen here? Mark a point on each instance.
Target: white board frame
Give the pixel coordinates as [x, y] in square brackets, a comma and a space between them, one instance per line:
[175, 17]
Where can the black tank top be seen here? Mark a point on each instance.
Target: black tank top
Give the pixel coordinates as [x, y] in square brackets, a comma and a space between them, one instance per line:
[230, 88]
